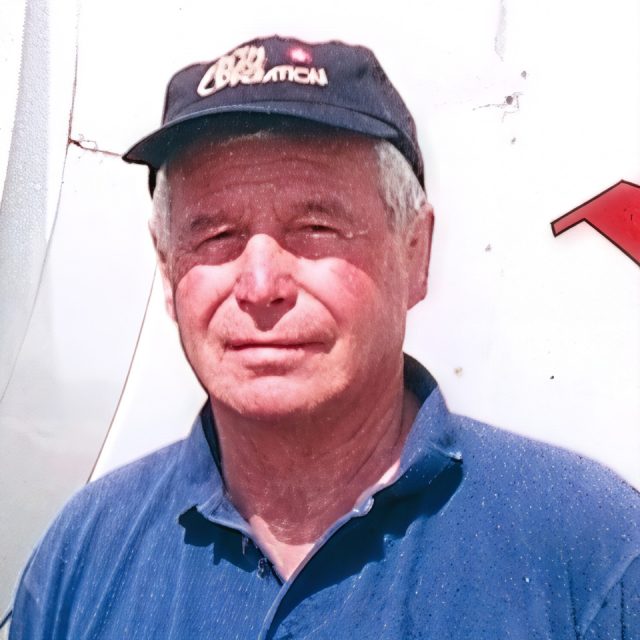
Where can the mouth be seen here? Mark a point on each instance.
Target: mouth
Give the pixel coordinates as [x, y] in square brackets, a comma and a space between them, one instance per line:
[277, 345]
[276, 356]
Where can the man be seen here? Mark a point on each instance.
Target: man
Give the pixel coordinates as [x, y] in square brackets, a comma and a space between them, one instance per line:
[325, 490]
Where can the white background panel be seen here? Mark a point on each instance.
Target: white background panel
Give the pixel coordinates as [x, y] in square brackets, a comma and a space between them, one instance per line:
[75, 358]
[12, 16]
[37, 76]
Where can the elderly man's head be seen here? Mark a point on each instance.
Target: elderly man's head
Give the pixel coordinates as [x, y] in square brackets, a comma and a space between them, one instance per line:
[291, 226]
[290, 258]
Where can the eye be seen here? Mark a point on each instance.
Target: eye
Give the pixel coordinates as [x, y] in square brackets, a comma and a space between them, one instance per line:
[219, 240]
[320, 229]
[217, 246]
[219, 235]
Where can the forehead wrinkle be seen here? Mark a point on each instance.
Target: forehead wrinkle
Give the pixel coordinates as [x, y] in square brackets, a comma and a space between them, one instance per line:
[272, 171]
[241, 213]
[279, 208]
[317, 199]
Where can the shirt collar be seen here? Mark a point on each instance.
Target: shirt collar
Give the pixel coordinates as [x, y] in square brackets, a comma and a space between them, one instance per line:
[431, 446]
[430, 449]
[198, 467]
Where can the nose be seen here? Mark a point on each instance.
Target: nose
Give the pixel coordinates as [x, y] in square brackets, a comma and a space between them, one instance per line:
[265, 288]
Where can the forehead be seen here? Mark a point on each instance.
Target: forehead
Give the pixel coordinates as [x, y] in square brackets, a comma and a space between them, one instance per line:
[267, 156]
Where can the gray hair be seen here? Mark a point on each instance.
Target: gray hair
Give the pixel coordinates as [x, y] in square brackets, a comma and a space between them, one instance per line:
[401, 192]
[399, 188]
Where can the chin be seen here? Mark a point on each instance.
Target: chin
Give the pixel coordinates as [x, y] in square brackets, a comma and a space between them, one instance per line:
[270, 398]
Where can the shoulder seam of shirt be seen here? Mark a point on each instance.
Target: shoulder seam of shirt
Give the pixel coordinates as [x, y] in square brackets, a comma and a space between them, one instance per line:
[595, 613]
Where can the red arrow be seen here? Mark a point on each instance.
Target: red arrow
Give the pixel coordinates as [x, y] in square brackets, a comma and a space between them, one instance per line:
[615, 213]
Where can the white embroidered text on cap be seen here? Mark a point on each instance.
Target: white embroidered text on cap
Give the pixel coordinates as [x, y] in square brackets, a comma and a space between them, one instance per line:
[246, 66]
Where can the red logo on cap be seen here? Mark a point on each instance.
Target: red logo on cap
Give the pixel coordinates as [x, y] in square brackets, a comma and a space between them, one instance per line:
[300, 55]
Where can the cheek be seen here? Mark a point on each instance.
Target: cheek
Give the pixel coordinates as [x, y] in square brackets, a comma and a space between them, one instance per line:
[354, 296]
[199, 293]
[373, 302]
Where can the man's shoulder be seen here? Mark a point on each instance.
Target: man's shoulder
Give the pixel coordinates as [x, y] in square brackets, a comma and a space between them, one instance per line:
[567, 514]
[504, 458]
[139, 491]
[515, 473]
[543, 477]
[541, 487]
[127, 513]
[179, 473]
[138, 480]
[103, 513]
[561, 502]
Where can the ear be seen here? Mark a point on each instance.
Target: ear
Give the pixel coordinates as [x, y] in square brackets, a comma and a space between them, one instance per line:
[418, 245]
[164, 271]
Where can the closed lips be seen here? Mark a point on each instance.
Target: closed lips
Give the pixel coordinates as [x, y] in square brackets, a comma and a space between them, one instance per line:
[237, 346]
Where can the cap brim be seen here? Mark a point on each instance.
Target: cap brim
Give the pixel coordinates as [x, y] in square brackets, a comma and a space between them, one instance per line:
[154, 148]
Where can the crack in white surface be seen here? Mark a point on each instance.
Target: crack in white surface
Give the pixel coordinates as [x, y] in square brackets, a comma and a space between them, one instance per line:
[92, 145]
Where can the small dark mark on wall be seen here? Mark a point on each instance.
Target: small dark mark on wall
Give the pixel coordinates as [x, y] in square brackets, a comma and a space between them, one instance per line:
[510, 104]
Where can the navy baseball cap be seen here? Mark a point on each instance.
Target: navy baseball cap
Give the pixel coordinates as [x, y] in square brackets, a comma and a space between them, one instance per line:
[330, 83]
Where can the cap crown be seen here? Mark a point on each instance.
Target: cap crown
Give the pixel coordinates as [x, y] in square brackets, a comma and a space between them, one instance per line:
[330, 83]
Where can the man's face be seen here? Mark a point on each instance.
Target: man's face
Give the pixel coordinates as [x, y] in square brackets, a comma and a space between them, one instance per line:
[289, 285]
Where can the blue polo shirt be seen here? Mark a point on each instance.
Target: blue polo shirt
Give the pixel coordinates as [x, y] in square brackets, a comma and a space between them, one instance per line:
[485, 535]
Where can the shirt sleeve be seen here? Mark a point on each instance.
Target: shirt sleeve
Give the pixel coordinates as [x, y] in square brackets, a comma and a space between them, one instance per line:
[619, 615]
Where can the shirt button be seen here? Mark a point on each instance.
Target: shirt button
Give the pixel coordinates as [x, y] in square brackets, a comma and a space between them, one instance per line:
[263, 567]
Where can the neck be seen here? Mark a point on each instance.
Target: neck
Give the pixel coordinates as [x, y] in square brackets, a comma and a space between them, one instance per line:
[292, 480]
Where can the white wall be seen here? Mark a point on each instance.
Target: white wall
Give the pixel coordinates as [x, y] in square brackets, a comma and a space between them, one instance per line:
[529, 332]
